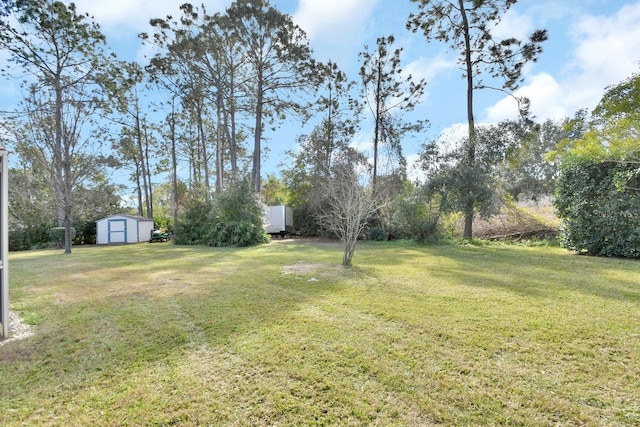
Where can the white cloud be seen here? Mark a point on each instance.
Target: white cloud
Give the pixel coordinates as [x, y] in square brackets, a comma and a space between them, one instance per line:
[116, 15]
[121, 21]
[424, 68]
[454, 134]
[553, 10]
[363, 141]
[515, 25]
[546, 96]
[606, 51]
[332, 21]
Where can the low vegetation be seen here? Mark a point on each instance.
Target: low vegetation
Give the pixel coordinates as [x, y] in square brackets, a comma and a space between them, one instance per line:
[281, 334]
[532, 222]
[233, 217]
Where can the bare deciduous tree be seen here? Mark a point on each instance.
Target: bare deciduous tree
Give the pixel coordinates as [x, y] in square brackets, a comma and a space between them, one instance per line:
[349, 204]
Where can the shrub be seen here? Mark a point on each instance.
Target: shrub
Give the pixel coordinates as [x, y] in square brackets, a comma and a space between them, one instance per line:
[304, 220]
[517, 223]
[414, 215]
[235, 233]
[599, 202]
[377, 233]
[194, 223]
[56, 236]
[163, 222]
[234, 218]
[85, 232]
[26, 238]
[238, 217]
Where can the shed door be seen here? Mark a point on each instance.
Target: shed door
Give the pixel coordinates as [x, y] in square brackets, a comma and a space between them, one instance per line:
[117, 230]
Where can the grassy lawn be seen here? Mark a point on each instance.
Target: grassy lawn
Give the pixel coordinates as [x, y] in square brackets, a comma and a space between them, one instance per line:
[280, 334]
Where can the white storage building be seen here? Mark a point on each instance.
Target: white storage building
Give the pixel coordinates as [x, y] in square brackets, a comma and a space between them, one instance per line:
[123, 228]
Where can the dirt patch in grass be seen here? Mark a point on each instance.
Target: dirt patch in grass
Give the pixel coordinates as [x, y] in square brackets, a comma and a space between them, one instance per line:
[311, 240]
[304, 267]
[18, 330]
[313, 271]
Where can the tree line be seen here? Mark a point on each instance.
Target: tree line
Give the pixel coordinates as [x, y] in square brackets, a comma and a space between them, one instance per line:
[222, 81]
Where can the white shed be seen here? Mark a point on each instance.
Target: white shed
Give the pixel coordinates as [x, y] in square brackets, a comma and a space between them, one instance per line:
[123, 228]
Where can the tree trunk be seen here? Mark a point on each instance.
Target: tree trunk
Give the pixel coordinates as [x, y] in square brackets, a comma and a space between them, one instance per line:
[376, 136]
[174, 170]
[230, 134]
[145, 188]
[231, 127]
[68, 241]
[255, 175]
[62, 177]
[145, 164]
[471, 147]
[139, 190]
[219, 144]
[203, 147]
[326, 161]
[67, 198]
[349, 250]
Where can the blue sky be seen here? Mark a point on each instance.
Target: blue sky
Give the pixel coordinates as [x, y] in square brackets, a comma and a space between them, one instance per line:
[592, 44]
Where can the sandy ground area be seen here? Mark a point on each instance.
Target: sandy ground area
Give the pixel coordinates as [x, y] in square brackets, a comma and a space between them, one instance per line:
[18, 330]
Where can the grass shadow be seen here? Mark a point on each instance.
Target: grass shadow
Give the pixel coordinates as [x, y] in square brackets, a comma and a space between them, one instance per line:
[108, 312]
[282, 334]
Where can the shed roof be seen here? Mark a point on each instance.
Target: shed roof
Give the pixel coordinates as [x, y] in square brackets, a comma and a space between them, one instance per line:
[133, 217]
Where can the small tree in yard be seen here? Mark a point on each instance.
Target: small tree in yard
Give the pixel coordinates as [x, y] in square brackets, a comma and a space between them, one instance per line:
[348, 205]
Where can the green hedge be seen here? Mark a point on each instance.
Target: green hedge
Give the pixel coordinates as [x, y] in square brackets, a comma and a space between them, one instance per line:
[599, 202]
[27, 238]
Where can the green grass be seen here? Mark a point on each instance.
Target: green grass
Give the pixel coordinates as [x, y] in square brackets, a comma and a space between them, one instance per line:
[281, 334]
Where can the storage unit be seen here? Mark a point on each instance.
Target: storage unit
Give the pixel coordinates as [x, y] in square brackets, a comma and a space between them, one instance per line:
[279, 220]
[123, 228]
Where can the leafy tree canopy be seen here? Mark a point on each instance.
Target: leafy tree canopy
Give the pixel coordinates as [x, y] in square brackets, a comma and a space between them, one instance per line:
[613, 130]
